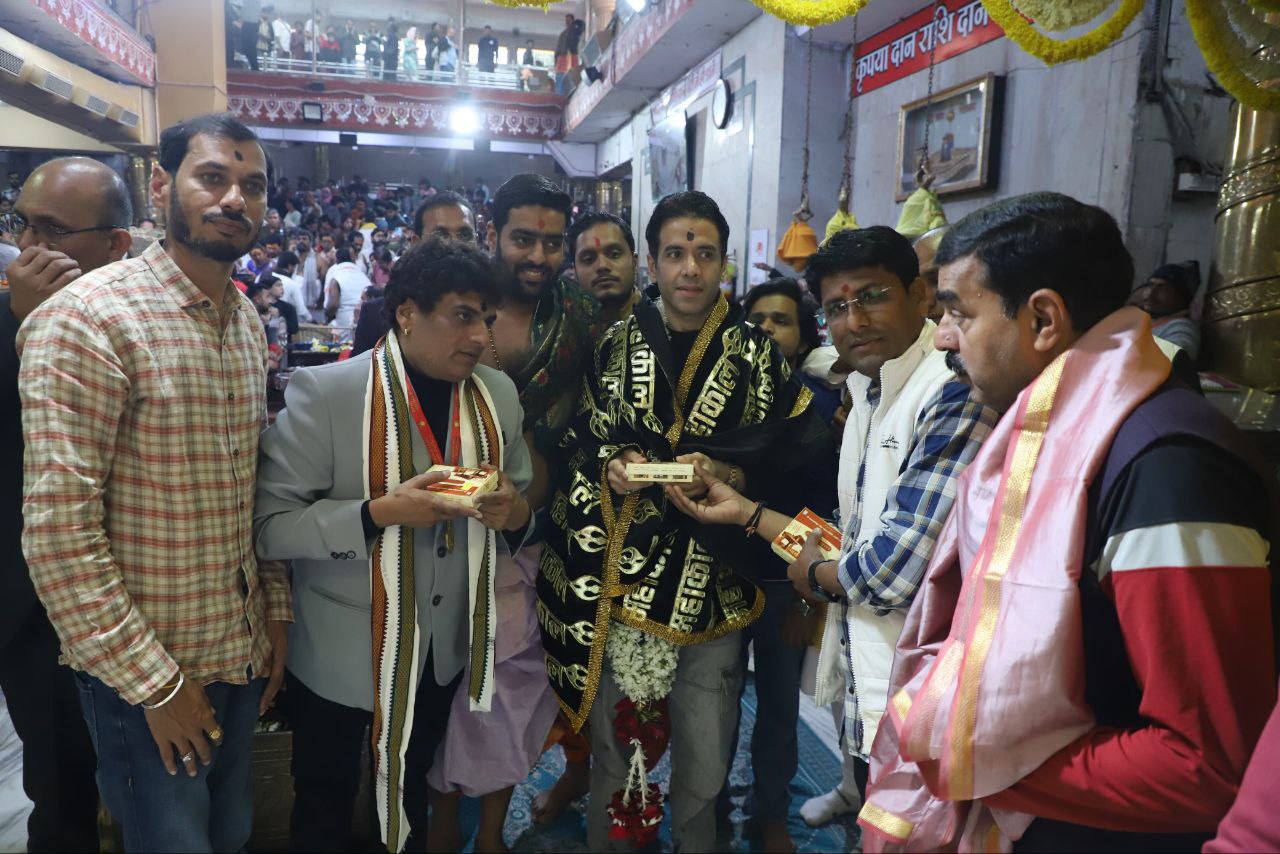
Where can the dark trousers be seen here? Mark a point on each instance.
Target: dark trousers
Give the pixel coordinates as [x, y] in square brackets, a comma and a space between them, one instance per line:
[327, 742]
[774, 741]
[57, 757]
[1048, 836]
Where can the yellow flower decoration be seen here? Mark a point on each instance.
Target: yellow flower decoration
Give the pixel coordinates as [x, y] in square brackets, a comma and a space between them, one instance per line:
[1227, 57]
[536, 4]
[1052, 51]
[811, 13]
[1055, 15]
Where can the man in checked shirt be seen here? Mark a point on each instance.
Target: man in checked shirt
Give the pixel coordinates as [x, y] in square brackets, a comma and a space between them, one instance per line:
[911, 431]
[143, 386]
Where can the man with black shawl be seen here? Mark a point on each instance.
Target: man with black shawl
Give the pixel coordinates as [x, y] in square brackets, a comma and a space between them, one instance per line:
[685, 379]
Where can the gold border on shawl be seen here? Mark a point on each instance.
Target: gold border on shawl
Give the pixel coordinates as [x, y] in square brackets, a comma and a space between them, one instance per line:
[802, 401]
[893, 826]
[719, 630]
[700, 344]
[902, 703]
[1026, 452]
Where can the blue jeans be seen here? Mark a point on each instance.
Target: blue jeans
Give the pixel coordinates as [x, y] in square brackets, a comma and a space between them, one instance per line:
[212, 811]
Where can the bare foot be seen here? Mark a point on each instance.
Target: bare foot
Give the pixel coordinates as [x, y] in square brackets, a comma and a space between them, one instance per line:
[573, 784]
[775, 839]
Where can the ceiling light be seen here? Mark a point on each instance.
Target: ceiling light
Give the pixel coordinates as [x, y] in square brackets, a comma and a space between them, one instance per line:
[464, 120]
[637, 5]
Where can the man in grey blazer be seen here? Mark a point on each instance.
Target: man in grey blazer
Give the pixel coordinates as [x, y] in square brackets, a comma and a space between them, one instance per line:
[311, 509]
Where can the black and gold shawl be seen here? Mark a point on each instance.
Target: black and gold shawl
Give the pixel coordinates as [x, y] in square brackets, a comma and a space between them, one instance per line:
[639, 560]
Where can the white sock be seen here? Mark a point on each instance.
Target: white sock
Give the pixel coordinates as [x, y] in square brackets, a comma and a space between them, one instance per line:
[821, 809]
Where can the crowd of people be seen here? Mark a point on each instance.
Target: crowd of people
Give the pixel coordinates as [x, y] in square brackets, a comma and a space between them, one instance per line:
[396, 50]
[1046, 625]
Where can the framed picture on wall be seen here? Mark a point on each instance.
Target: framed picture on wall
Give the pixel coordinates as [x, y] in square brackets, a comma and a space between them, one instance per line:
[669, 166]
[964, 137]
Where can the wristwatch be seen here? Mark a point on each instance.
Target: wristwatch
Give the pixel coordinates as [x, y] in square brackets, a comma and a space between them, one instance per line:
[817, 588]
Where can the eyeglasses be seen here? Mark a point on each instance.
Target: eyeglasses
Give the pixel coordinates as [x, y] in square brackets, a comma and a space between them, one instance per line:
[866, 300]
[17, 225]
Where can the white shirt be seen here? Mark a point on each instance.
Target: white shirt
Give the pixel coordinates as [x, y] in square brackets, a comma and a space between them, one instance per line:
[294, 292]
[283, 34]
[351, 284]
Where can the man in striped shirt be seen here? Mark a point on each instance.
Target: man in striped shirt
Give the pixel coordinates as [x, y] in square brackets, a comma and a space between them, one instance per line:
[143, 388]
[1110, 618]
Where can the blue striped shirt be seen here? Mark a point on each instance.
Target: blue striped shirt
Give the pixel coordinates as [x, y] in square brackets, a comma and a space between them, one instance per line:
[883, 573]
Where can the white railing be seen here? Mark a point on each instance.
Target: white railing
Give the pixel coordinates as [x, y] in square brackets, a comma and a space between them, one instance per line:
[509, 77]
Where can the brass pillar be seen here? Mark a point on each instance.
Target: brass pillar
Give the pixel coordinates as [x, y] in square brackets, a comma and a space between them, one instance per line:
[1242, 306]
[139, 187]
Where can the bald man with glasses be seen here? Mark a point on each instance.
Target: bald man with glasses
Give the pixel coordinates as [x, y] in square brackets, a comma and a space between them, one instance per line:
[72, 216]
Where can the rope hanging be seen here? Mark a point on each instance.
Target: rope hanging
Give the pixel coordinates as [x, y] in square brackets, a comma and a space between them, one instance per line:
[924, 172]
[846, 176]
[803, 214]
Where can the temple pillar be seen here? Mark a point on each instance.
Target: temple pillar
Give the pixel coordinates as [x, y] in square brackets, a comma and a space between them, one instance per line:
[1241, 323]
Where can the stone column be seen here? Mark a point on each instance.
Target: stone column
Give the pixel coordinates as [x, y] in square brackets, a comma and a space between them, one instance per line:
[1241, 323]
[139, 180]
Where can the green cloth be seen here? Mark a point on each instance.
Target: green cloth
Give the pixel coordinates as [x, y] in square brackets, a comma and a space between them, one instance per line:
[921, 212]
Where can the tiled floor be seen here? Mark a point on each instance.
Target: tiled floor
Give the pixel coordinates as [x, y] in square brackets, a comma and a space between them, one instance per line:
[14, 805]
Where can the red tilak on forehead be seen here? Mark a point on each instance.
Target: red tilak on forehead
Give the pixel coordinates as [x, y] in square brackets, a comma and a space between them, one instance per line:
[844, 289]
[597, 243]
[542, 224]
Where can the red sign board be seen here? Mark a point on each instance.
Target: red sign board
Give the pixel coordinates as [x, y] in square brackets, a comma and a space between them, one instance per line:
[903, 49]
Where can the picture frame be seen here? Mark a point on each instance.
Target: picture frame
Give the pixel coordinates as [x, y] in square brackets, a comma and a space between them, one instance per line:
[964, 140]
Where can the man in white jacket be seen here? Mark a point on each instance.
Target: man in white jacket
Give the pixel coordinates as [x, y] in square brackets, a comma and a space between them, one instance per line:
[911, 430]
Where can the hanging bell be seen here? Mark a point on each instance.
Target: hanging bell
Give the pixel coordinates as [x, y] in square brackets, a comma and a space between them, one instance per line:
[797, 245]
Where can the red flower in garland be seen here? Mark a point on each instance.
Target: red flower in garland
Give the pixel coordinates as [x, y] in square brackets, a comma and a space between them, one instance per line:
[636, 811]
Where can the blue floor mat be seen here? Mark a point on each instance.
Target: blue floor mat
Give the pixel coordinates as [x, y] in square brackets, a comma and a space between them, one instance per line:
[819, 772]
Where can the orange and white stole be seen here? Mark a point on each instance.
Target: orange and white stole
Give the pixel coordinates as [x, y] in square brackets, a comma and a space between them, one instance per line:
[988, 678]
[388, 462]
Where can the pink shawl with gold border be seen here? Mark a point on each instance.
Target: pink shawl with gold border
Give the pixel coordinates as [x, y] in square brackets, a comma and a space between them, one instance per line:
[988, 681]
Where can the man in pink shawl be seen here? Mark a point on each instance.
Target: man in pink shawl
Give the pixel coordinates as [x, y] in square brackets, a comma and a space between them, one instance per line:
[1089, 661]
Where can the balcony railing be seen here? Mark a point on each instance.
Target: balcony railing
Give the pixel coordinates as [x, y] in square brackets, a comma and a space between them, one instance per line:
[515, 78]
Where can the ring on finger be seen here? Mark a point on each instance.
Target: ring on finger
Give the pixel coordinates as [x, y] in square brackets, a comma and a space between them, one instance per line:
[188, 757]
[216, 733]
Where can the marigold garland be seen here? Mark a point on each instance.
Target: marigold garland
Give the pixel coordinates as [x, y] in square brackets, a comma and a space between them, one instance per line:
[1223, 53]
[811, 13]
[1055, 15]
[515, 4]
[1052, 51]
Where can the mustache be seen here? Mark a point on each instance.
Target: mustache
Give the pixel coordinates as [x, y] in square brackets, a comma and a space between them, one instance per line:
[956, 364]
[533, 268]
[239, 219]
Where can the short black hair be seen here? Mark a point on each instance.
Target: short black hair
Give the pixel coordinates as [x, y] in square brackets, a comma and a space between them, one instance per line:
[351, 237]
[439, 200]
[256, 288]
[693, 203]
[435, 267]
[524, 190]
[1182, 276]
[594, 218]
[855, 248]
[1047, 240]
[287, 259]
[342, 255]
[806, 309]
[175, 140]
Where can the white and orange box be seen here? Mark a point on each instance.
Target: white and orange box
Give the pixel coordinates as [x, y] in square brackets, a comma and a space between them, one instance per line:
[788, 544]
[464, 485]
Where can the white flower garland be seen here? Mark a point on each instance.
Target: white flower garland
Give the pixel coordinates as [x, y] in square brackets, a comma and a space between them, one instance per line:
[644, 666]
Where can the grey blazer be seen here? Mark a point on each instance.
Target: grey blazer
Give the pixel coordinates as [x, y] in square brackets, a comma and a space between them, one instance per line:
[310, 488]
